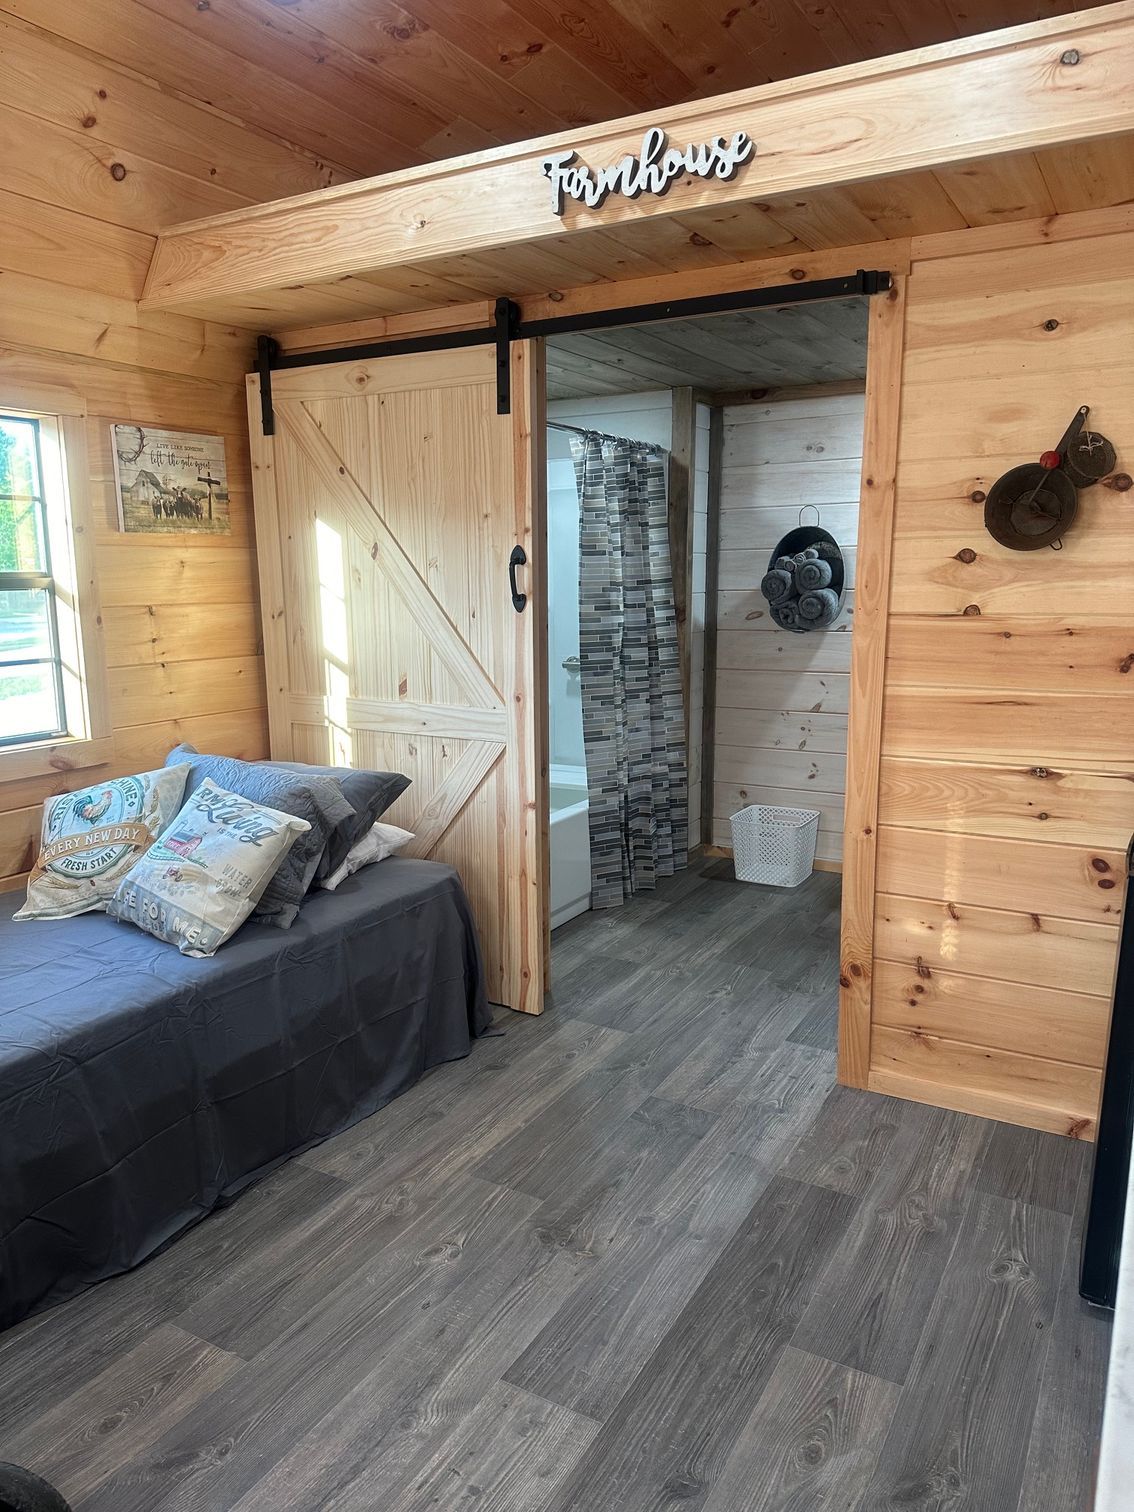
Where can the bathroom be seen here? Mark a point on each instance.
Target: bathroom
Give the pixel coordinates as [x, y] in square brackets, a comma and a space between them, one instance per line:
[757, 422]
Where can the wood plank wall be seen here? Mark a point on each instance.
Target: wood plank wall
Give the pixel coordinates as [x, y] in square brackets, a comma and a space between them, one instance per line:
[782, 699]
[1007, 774]
[93, 160]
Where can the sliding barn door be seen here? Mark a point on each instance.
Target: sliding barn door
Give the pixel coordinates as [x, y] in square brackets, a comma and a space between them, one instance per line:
[388, 505]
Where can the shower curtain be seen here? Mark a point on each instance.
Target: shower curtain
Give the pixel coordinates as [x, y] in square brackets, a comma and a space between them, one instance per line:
[633, 719]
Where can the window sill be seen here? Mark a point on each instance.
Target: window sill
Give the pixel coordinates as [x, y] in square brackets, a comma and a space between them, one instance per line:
[54, 758]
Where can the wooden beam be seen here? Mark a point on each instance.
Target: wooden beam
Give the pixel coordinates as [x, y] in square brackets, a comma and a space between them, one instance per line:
[680, 507]
[1075, 225]
[712, 576]
[730, 399]
[868, 668]
[979, 97]
[897, 256]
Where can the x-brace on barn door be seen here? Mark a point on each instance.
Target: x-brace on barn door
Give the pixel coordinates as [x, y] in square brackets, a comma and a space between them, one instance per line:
[390, 503]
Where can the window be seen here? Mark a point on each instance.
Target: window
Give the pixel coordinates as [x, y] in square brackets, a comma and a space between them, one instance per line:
[31, 674]
[52, 678]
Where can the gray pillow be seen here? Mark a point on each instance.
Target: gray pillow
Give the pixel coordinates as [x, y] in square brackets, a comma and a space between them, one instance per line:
[319, 800]
[369, 794]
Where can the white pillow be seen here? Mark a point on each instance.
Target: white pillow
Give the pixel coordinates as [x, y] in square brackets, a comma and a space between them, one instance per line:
[91, 838]
[196, 886]
[380, 841]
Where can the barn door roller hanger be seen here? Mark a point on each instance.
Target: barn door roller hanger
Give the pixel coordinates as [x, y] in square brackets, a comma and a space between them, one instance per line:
[508, 325]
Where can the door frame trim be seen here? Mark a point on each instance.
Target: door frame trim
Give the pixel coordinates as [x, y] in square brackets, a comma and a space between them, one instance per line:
[885, 352]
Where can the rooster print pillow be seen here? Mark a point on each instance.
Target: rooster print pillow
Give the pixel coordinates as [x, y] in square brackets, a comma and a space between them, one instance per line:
[92, 838]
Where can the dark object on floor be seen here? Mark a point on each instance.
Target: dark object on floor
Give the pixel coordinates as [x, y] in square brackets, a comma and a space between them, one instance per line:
[21, 1491]
[140, 1089]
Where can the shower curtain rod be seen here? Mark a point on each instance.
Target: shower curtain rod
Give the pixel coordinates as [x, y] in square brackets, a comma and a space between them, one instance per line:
[583, 430]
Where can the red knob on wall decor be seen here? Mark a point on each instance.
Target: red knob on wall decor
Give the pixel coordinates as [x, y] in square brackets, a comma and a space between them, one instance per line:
[1049, 459]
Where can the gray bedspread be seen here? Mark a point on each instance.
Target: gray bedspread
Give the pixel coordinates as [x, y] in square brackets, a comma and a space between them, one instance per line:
[140, 1088]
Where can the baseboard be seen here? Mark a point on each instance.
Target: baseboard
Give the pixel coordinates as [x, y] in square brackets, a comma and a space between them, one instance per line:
[724, 853]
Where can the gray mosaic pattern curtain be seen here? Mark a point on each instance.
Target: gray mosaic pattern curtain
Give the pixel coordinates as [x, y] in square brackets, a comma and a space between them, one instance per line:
[633, 719]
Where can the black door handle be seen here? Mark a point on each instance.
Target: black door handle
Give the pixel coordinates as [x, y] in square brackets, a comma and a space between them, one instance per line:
[518, 558]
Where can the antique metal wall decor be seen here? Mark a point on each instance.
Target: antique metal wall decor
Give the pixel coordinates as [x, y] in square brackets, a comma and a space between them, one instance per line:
[1034, 505]
[657, 168]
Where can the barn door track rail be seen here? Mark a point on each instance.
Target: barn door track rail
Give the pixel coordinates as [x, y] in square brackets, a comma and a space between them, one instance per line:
[508, 325]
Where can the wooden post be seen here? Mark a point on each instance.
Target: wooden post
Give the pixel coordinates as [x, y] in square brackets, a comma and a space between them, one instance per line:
[680, 503]
[868, 665]
[712, 562]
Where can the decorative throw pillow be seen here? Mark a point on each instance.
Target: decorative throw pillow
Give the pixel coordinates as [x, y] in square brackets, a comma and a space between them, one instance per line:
[317, 800]
[380, 841]
[370, 794]
[92, 837]
[196, 886]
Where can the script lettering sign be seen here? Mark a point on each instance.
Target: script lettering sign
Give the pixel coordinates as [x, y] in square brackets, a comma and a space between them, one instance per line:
[655, 170]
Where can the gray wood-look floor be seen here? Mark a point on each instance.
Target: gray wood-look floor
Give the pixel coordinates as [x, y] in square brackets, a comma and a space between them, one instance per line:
[637, 1254]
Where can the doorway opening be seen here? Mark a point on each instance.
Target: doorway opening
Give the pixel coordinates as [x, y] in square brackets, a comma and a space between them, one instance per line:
[758, 417]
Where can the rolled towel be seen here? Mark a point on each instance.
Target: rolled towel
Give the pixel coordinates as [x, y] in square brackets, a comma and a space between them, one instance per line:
[819, 608]
[776, 585]
[784, 564]
[812, 574]
[786, 614]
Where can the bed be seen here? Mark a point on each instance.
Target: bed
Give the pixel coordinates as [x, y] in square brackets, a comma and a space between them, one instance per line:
[140, 1088]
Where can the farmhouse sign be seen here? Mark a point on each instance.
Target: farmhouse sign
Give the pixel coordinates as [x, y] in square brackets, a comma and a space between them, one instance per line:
[654, 171]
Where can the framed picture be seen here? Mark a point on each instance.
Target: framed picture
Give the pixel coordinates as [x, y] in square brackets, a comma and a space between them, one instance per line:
[169, 481]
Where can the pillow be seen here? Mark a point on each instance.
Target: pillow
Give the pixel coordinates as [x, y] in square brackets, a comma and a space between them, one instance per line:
[90, 838]
[196, 886]
[317, 800]
[370, 794]
[380, 841]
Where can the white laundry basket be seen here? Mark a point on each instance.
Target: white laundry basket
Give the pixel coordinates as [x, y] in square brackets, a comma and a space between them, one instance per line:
[774, 845]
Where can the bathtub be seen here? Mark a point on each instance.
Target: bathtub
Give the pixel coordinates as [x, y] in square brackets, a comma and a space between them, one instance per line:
[570, 845]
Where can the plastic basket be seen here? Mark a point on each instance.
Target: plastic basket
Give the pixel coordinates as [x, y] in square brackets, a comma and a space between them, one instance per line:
[774, 845]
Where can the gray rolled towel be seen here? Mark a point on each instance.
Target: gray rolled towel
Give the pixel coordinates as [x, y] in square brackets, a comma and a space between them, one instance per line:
[776, 585]
[818, 609]
[784, 564]
[786, 614]
[812, 574]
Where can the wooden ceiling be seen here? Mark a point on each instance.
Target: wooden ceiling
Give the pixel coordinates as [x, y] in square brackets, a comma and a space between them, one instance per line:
[795, 345]
[374, 85]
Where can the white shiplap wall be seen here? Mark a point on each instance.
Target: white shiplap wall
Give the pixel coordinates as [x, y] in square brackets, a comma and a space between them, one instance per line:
[782, 699]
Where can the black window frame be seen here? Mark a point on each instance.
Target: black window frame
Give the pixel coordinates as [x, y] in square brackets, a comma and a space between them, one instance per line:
[32, 582]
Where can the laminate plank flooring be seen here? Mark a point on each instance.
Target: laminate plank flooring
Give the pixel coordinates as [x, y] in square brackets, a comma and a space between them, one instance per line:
[640, 1252]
